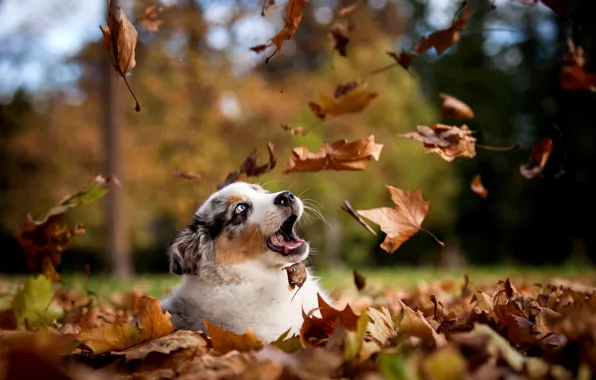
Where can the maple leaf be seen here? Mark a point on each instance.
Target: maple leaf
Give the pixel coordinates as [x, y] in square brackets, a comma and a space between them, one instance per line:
[225, 341]
[348, 208]
[447, 141]
[296, 275]
[453, 107]
[294, 131]
[477, 187]
[149, 20]
[316, 331]
[350, 97]
[120, 39]
[250, 168]
[574, 75]
[401, 222]
[538, 159]
[340, 31]
[167, 344]
[339, 155]
[443, 39]
[152, 323]
[413, 323]
[192, 176]
[403, 59]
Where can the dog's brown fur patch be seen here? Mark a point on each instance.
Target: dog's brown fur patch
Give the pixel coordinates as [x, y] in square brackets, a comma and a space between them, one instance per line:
[235, 198]
[244, 247]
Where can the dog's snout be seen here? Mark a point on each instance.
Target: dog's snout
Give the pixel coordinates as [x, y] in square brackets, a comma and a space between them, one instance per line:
[285, 198]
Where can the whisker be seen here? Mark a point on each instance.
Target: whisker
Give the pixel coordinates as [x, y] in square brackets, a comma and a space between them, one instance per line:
[309, 189]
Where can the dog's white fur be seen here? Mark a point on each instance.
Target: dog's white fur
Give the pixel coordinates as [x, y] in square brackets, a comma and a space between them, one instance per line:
[252, 293]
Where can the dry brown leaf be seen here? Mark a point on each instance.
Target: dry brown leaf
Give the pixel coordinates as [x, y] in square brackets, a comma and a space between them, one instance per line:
[477, 187]
[348, 208]
[414, 324]
[268, 5]
[294, 131]
[401, 222]
[540, 154]
[574, 75]
[119, 336]
[453, 107]
[259, 48]
[403, 59]
[120, 39]
[167, 344]
[359, 280]
[340, 31]
[350, 97]
[442, 40]
[296, 275]
[225, 341]
[447, 141]
[149, 20]
[192, 176]
[340, 155]
[316, 331]
[348, 9]
[250, 168]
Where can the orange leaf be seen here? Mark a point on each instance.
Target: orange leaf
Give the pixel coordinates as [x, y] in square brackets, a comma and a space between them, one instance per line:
[447, 141]
[401, 222]
[540, 154]
[455, 108]
[351, 97]
[340, 155]
[225, 341]
[478, 187]
[317, 330]
[442, 40]
[574, 75]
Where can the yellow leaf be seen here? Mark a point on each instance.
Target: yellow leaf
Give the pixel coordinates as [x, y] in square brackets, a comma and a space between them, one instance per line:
[225, 341]
[351, 97]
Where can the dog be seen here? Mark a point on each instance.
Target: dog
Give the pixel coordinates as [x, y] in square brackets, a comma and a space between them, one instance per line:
[231, 259]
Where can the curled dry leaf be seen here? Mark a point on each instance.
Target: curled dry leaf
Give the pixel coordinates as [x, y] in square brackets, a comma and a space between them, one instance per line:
[414, 324]
[443, 39]
[152, 322]
[348, 208]
[294, 131]
[224, 341]
[120, 39]
[447, 141]
[316, 331]
[296, 275]
[574, 75]
[167, 344]
[250, 168]
[340, 155]
[477, 187]
[340, 31]
[351, 97]
[401, 222]
[453, 107]
[359, 280]
[149, 20]
[192, 176]
[403, 59]
[540, 154]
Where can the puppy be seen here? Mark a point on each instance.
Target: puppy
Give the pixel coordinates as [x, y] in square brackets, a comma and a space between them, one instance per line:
[231, 258]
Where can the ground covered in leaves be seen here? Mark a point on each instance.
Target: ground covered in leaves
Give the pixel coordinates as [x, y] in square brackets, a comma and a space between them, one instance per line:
[447, 329]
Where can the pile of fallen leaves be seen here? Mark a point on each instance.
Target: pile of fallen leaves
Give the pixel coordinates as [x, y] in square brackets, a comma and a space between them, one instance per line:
[435, 331]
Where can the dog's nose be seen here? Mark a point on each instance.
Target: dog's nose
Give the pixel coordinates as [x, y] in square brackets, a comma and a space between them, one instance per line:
[285, 198]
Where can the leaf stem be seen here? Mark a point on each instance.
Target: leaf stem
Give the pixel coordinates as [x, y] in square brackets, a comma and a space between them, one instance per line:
[434, 237]
[498, 148]
[138, 106]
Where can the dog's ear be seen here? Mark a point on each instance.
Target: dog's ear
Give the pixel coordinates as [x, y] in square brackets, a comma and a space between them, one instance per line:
[185, 252]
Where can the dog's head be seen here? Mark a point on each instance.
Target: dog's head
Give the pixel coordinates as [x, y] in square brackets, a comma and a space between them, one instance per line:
[238, 223]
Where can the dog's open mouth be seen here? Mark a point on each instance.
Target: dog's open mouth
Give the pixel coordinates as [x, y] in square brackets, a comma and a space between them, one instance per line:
[284, 240]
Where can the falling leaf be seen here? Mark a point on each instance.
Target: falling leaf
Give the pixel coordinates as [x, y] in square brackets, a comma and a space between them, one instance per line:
[192, 176]
[33, 304]
[348, 208]
[120, 39]
[348, 9]
[294, 131]
[340, 31]
[225, 341]
[477, 187]
[259, 48]
[443, 39]
[414, 324]
[574, 75]
[296, 275]
[167, 344]
[359, 280]
[455, 108]
[447, 141]
[540, 154]
[267, 6]
[351, 97]
[250, 168]
[291, 22]
[340, 155]
[316, 331]
[152, 322]
[401, 222]
[403, 59]
[149, 20]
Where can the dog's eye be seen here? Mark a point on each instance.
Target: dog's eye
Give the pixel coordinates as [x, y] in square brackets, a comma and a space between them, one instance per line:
[240, 208]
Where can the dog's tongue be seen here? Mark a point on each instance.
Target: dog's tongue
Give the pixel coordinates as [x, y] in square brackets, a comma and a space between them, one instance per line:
[288, 245]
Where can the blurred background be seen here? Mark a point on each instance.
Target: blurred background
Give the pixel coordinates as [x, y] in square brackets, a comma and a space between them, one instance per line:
[207, 102]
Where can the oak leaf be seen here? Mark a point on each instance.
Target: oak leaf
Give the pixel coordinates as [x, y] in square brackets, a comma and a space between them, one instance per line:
[447, 141]
[401, 222]
[317, 330]
[339, 155]
[152, 322]
[167, 344]
[120, 39]
[225, 341]
[340, 31]
[149, 20]
[348, 208]
[453, 107]
[250, 168]
[296, 275]
[443, 39]
[477, 187]
[350, 97]
[538, 159]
